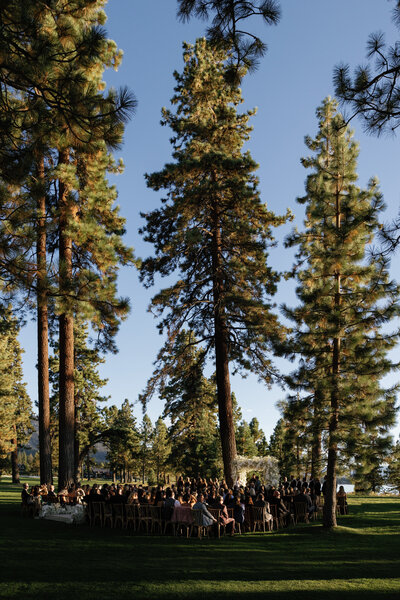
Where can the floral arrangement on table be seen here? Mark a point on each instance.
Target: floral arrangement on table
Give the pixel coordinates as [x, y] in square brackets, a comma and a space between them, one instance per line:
[66, 513]
[267, 465]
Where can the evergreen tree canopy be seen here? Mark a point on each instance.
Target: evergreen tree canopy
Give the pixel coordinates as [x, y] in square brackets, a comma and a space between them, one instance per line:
[123, 441]
[227, 31]
[212, 191]
[214, 231]
[15, 404]
[346, 300]
[374, 91]
[191, 405]
[161, 448]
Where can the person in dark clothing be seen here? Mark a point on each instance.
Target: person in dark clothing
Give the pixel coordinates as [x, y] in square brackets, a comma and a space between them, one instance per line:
[238, 510]
[119, 497]
[25, 495]
[305, 498]
[282, 511]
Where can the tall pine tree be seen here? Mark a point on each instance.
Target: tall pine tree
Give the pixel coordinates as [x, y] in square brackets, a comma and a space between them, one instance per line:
[346, 300]
[213, 231]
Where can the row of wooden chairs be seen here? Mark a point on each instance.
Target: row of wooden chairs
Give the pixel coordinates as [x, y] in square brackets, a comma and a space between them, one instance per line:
[299, 514]
[153, 519]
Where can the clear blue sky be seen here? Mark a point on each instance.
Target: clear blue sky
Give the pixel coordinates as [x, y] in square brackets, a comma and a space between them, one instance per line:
[292, 80]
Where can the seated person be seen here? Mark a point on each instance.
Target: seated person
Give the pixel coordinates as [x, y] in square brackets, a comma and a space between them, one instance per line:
[206, 517]
[186, 501]
[80, 493]
[238, 510]
[305, 498]
[225, 520]
[118, 497]
[260, 502]
[229, 500]
[72, 496]
[63, 495]
[133, 498]
[43, 491]
[281, 509]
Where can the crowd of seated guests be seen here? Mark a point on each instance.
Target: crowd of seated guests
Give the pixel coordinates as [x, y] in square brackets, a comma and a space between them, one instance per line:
[195, 493]
[211, 493]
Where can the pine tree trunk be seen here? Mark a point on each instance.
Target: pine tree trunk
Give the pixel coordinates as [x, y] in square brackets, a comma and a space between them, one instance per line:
[88, 466]
[77, 460]
[14, 462]
[316, 444]
[225, 409]
[46, 470]
[316, 455]
[329, 514]
[66, 345]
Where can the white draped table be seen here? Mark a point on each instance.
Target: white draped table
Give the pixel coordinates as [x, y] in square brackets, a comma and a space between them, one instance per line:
[71, 514]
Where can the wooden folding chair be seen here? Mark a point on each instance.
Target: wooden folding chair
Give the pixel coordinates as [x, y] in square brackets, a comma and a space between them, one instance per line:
[107, 514]
[301, 512]
[144, 517]
[198, 523]
[118, 515]
[156, 518]
[132, 516]
[182, 520]
[259, 518]
[168, 518]
[216, 513]
[276, 520]
[248, 518]
[96, 513]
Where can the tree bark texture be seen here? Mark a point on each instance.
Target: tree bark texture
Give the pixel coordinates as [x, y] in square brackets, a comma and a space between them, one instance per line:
[225, 409]
[316, 444]
[14, 463]
[66, 346]
[46, 470]
[77, 457]
[329, 514]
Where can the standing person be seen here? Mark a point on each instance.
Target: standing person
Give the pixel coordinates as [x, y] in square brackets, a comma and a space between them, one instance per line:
[51, 494]
[26, 497]
[341, 498]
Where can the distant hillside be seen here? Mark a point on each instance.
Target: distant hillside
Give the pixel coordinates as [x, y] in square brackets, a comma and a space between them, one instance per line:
[33, 445]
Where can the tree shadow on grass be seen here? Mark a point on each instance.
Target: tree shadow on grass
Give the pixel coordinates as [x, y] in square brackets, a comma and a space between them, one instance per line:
[44, 553]
[198, 590]
[54, 552]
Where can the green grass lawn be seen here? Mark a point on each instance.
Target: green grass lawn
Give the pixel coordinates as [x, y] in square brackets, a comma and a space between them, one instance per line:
[360, 559]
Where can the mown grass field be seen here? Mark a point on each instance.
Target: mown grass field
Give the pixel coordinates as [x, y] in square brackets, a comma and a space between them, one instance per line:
[44, 559]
